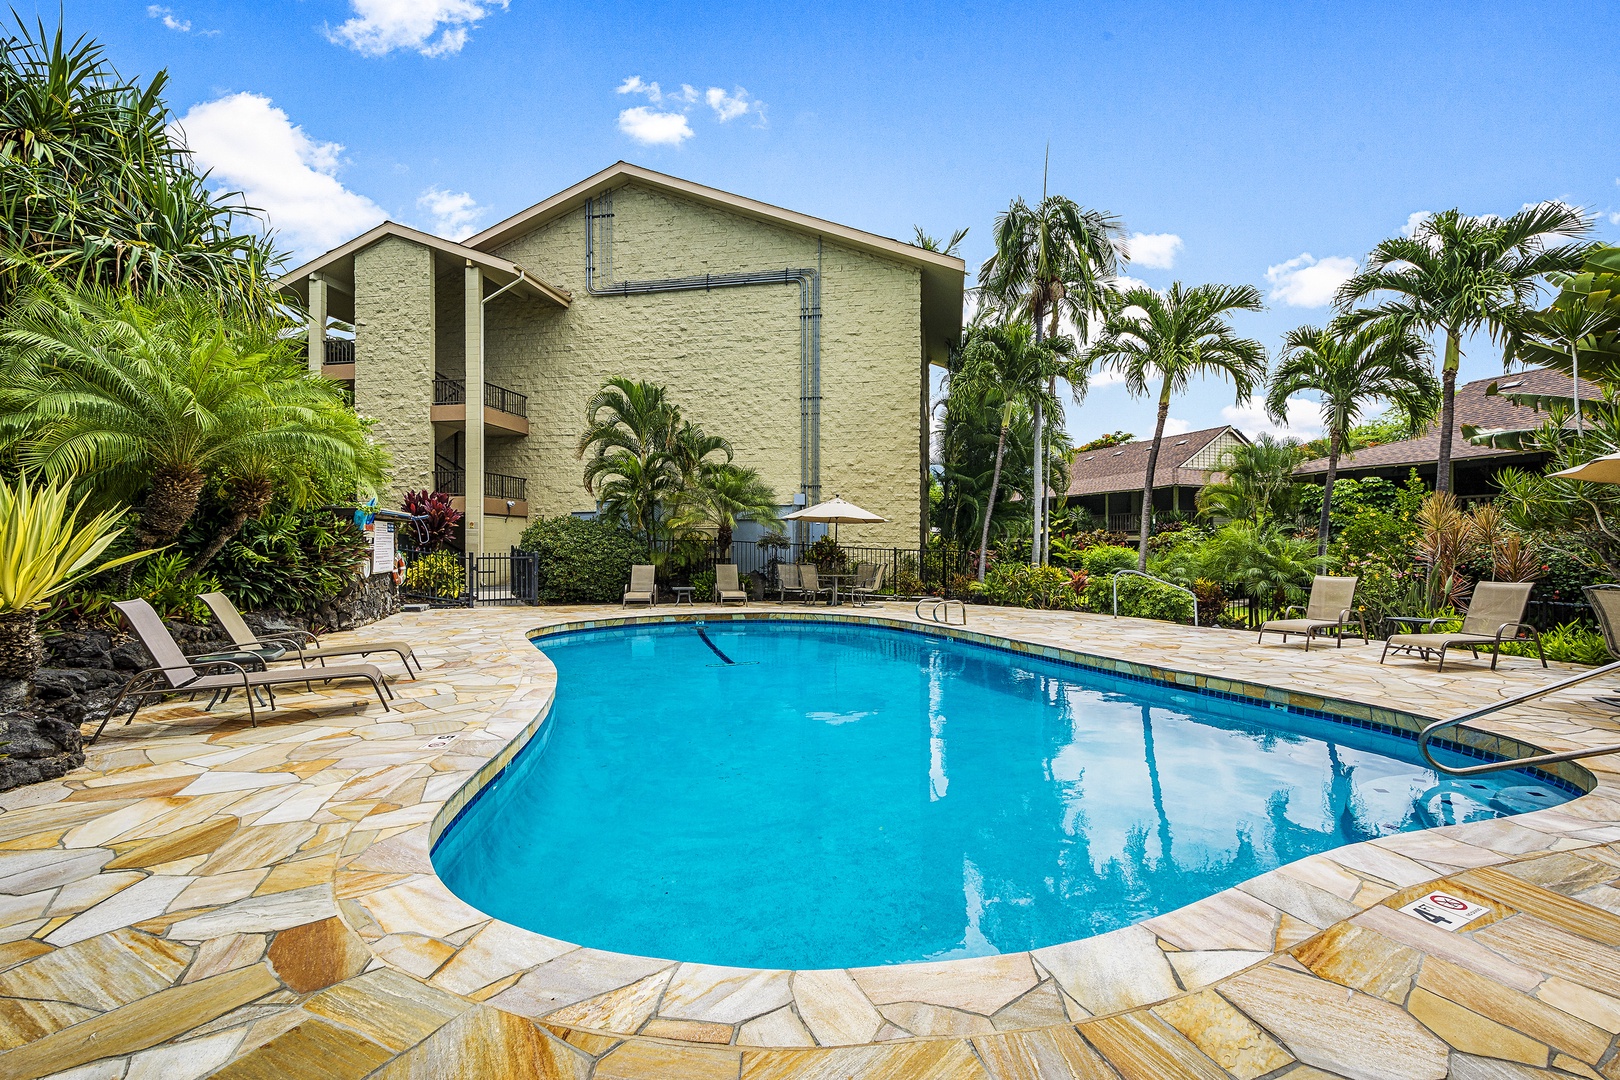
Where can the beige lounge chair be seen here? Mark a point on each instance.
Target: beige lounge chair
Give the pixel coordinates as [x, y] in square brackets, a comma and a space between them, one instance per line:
[1328, 608]
[177, 673]
[868, 580]
[810, 585]
[1605, 601]
[726, 585]
[1495, 614]
[300, 645]
[642, 589]
[787, 580]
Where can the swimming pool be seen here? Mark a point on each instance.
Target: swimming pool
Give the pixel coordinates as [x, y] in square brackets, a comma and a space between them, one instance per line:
[816, 795]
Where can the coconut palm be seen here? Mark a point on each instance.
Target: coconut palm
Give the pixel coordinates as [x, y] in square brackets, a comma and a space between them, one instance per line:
[1052, 259]
[1349, 368]
[1009, 366]
[1172, 338]
[149, 397]
[1458, 275]
[933, 243]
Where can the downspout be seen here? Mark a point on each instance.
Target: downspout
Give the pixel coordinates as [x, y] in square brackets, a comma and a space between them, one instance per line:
[809, 282]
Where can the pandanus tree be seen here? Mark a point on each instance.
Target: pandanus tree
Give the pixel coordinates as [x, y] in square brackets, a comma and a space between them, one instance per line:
[1161, 342]
[1349, 368]
[1458, 275]
[1009, 367]
[144, 399]
[1052, 259]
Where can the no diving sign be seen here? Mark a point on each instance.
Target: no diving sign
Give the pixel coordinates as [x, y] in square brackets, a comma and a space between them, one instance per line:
[1444, 910]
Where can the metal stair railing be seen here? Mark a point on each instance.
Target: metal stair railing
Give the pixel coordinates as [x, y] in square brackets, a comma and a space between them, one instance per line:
[940, 610]
[1142, 573]
[1428, 733]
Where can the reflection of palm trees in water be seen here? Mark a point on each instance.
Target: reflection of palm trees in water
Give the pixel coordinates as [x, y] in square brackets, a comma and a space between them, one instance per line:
[1153, 782]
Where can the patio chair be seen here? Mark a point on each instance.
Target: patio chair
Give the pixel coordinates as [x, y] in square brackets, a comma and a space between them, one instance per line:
[1328, 608]
[642, 589]
[1495, 614]
[726, 585]
[1605, 601]
[810, 585]
[296, 644]
[787, 580]
[177, 673]
[868, 580]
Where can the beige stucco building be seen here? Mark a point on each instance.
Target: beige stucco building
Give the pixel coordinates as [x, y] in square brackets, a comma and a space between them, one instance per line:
[803, 342]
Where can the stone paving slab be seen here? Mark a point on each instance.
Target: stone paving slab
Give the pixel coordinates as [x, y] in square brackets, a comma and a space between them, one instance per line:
[208, 898]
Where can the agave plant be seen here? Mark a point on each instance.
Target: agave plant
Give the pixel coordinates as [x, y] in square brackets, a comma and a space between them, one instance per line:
[44, 550]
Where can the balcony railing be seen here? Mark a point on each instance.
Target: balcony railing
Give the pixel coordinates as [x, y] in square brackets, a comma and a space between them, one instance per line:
[339, 351]
[453, 481]
[447, 391]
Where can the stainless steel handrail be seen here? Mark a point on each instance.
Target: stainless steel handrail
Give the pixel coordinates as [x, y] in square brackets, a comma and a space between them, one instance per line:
[1427, 733]
[1142, 573]
[940, 612]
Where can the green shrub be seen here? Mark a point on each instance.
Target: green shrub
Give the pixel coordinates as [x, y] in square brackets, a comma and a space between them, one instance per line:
[703, 585]
[827, 556]
[439, 573]
[163, 580]
[1101, 560]
[1574, 642]
[582, 562]
[1022, 585]
[1139, 598]
[291, 560]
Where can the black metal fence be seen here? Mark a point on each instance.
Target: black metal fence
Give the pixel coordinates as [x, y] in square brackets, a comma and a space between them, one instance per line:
[452, 480]
[513, 578]
[339, 351]
[448, 391]
[905, 570]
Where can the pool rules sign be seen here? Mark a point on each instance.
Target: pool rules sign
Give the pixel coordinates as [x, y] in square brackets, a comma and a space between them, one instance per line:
[1444, 910]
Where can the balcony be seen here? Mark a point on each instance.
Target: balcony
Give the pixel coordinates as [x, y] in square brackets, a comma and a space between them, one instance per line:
[504, 496]
[506, 412]
[338, 363]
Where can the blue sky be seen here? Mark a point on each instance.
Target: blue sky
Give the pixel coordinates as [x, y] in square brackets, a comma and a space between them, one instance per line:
[1262, 143]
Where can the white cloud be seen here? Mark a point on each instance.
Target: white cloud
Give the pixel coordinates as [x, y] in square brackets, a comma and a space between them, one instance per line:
[1172, 426]
[170, 20]
[1304, 418]
[455, 213]
[729, 106]
[652, 127]
[1308, 282]
[1154, 251]
[431, 27]
[1413, 220]
[249, 144]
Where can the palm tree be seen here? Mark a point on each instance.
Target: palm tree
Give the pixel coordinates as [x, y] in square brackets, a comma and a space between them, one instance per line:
[1583, 320]
[1349, 368]
[722, 495]
[933, 243]
[150, 397]
[1054, 258]
[629, 426]
[1010, 365]
[1457, 275]
[1173, 338]
[1257, 482]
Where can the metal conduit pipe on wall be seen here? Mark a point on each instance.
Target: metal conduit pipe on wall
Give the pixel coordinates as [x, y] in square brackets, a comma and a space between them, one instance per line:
[600, 210]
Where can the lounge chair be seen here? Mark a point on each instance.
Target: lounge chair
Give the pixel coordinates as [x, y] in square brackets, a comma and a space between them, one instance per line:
[177, 673]
[868, 580]
[787, 580]
[642, 589]
[726, 585]
[1329, 608]
[810, 585]
[298, 645]
[1495, 614]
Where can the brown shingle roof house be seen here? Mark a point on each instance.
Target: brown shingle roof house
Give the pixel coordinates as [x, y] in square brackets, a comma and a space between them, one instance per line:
[1109, 481]
[1477, 407]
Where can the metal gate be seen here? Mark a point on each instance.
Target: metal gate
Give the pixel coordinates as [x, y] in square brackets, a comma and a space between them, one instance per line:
[513, 578]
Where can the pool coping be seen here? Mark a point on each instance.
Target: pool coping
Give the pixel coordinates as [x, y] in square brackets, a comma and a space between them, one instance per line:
[379, 888]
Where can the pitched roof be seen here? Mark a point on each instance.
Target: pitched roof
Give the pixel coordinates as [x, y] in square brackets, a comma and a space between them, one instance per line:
[341, 260]
[1476, 407]
[1124, 467]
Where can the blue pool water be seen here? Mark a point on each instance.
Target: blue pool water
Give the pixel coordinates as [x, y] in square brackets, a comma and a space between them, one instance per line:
[844, 796]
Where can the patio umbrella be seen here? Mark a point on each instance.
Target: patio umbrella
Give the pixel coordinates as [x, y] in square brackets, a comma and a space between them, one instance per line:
[1603, 470]
[834, 512]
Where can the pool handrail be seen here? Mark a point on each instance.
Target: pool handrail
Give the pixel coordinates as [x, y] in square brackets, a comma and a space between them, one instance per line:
[1427, 733]
[1143, 573]
[940, 612]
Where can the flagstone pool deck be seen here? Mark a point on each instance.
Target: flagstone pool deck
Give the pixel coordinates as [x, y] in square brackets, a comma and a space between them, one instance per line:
[209, 899]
